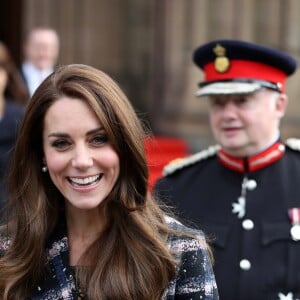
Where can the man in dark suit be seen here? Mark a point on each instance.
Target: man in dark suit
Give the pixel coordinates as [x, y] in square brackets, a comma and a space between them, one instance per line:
[244, 192]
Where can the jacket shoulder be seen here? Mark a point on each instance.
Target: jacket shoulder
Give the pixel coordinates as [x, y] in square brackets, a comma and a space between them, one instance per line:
[180, 163]
[293, 143]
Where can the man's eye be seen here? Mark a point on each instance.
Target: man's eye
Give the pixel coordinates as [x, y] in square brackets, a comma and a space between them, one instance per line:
[99, 139]
[60, 144]
[240, 100]
[216, 102]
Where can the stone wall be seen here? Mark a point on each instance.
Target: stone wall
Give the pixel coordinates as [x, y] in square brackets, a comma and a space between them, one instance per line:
[146, 45]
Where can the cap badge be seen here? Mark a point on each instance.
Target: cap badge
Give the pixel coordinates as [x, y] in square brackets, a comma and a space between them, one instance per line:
[222, 62]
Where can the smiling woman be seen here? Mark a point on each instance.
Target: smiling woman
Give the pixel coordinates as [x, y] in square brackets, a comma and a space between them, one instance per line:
[81, 222]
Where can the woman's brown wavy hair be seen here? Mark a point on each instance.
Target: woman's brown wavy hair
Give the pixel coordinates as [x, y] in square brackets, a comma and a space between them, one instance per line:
[16, 89]
[130, 260]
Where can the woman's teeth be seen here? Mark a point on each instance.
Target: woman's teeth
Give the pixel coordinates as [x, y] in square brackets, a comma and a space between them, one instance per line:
[84, 181]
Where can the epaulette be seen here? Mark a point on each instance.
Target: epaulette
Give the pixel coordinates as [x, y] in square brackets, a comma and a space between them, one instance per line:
[293, 143]
[180, 163]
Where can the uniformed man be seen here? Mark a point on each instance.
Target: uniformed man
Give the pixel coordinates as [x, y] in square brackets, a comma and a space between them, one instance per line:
[245, 192]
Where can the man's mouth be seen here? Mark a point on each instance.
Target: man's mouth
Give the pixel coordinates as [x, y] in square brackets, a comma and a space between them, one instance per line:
[231, 128]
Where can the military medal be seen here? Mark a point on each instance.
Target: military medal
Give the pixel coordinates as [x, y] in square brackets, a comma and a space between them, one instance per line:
[239, 207]
[295, 232]
[294, 214]
[288, 296]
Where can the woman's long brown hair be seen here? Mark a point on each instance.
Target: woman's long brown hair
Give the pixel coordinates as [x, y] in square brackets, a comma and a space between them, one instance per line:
[130, 260]
[16, 89]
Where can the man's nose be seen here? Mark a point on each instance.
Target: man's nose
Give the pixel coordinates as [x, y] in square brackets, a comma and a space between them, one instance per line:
[229, 109]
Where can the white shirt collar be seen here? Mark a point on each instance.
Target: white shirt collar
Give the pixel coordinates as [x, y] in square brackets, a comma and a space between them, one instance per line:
[34, 76]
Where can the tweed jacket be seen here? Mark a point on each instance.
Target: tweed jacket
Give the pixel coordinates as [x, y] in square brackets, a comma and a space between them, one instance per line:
[194, 280]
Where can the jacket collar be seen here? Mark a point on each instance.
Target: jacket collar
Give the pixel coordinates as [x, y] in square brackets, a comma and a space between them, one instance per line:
[255, 162]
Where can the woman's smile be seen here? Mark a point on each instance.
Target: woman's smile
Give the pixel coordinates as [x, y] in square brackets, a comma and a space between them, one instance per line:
[85, 181]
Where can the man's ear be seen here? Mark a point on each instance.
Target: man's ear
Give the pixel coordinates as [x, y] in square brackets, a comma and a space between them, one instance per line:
[281, 104]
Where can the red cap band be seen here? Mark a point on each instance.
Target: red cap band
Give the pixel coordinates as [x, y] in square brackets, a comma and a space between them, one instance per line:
[242, 69]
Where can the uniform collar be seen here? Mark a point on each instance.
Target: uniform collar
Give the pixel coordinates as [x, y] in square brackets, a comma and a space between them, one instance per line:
[255, 162]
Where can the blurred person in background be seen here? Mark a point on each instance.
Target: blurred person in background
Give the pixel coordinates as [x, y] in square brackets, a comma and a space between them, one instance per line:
[244, 192]
[13, 97]
[40, 50]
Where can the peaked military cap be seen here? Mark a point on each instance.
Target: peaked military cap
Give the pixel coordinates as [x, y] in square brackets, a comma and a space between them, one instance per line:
[237, 67]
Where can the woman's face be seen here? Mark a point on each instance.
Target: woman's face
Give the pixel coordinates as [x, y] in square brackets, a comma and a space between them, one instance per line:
[80, 159]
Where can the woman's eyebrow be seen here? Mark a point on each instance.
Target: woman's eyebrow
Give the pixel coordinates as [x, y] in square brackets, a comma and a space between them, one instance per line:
[95, 130]
[58, 134]
[65, 135]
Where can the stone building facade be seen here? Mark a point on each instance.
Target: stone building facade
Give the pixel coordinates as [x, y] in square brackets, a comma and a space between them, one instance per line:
[146, 45]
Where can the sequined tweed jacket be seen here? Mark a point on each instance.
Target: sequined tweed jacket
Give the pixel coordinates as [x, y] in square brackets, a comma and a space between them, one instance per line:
[194, 280]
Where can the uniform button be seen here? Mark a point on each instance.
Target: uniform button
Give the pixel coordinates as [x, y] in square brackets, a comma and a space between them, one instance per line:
[248, 224]
[245, 264]
[281, 147]
[251, 184]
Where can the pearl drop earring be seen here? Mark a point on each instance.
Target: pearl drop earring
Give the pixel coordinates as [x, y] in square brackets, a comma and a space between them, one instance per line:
[44, 169]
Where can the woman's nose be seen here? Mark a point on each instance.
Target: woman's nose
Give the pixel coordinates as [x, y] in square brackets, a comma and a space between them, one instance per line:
[82, 158]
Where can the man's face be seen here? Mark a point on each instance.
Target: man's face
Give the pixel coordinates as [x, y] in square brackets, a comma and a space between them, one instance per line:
[245, 124]
[41, 48]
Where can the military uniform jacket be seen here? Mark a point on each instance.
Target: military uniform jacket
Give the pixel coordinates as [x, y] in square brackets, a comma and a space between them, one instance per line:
[244, 206]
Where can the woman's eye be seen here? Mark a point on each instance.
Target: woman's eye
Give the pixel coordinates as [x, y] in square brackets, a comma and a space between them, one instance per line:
[60, 144]
[99, 139]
